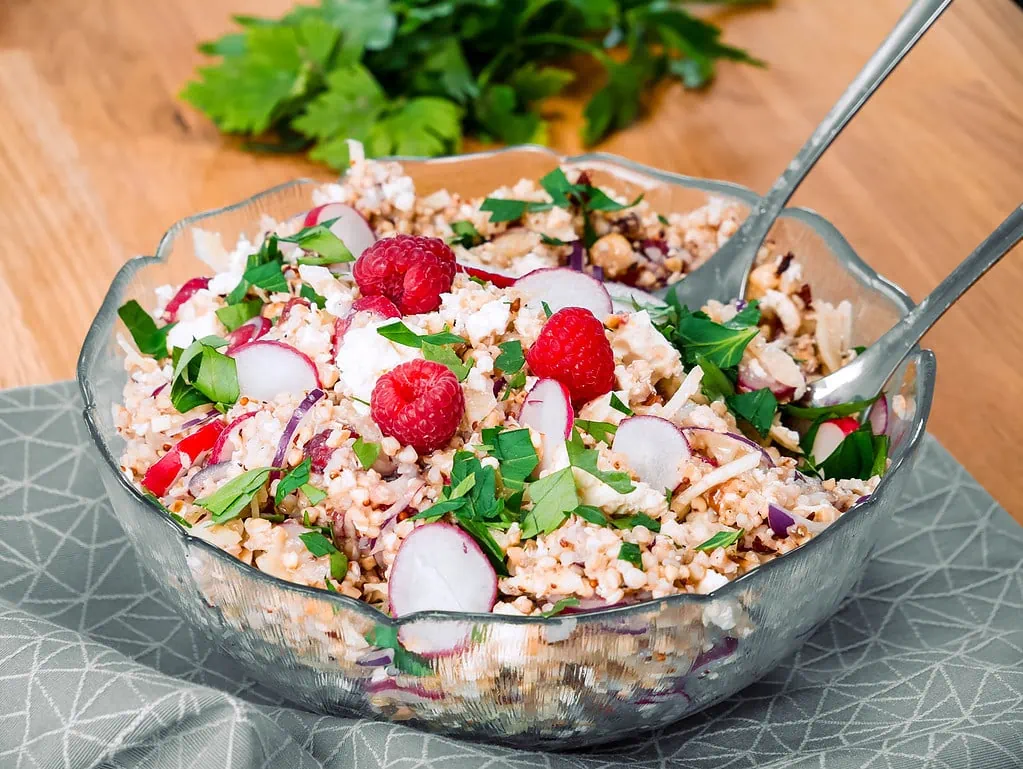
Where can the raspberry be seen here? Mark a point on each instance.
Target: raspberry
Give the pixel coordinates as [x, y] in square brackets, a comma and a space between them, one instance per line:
[572, 349]
[380, 305]
[420, 403]
[410, 270]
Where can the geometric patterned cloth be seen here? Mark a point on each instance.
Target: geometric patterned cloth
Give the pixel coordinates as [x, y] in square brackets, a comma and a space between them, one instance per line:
[921, 667]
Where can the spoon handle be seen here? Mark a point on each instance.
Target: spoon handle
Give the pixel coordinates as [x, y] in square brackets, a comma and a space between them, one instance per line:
[867, 374]
[909, 29]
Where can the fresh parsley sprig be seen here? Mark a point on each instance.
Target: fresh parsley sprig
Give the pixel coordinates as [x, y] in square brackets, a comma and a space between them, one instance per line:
[411, 78]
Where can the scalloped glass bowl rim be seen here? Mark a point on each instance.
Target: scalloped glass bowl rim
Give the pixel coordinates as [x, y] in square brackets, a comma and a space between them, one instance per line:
[102, 325]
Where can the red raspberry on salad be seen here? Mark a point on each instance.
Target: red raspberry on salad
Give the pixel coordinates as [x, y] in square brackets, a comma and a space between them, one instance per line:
[410, 270]
[420, 403]
[572, 349]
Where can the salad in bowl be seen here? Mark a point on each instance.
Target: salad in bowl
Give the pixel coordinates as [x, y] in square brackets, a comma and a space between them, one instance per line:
[473, 404]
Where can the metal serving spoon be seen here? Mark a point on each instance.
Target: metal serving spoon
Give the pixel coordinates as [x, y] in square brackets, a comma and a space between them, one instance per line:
[724, 276]
[868, 373]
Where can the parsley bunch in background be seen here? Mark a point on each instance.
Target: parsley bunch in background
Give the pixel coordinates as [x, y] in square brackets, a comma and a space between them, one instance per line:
[411, 77]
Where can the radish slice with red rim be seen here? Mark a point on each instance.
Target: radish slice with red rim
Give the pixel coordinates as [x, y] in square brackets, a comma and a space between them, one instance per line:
[714, 439]
[561, 287]
[222, 450]
[489, 274]
[548, 410]
[656, 450]
[348, 224]
[186, 292]
[267, 368]
[829, 435]
[249, 331]
[439, 568]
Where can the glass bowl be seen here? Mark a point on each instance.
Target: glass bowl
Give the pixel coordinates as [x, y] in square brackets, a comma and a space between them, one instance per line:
[563, 682]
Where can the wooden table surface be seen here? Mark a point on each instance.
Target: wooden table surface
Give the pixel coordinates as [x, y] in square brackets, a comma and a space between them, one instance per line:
[98, 158]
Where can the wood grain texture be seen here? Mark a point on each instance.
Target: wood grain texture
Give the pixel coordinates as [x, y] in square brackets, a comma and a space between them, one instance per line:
[98, 158]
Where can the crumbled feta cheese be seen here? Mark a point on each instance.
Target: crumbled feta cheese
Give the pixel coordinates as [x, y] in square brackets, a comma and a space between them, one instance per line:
[642, 499]
[490, 319]
[711, 581]
[637, 339]
[187, 331]
[364, 356]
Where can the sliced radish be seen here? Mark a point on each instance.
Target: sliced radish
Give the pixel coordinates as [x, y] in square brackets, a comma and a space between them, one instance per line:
[222, 450]
[439, 568]
[249, 331]
[350, 226]
[548, 410]
[291, 304]
[655, 448]
[830, 434]
[562, 287]
[499, 279]
[878, 416]
[166, 470]
[267, 368]
[752, 377]
[628, 298]
[186, 292]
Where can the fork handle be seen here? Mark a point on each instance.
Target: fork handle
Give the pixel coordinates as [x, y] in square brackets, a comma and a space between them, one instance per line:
[907, 31]
[866, 376]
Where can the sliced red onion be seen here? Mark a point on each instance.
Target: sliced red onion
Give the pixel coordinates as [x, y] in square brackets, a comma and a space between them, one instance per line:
[210, 474]
[575, 256]
[736, 437]
[392, 512]
[499, 382]
[209, 416]
[740, 305]
[861, 500]
[163, 387]
[376, 659]
[222, 450]
[780, 520]
[387, 686]
[291, 428]
[726, 648]
[597, 272]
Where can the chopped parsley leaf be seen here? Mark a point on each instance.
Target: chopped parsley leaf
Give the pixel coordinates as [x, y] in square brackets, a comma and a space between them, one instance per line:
[317, 544]
[601, 431]
[757, 407]
[514, 450]
[399, 333]
[721, 539]
[466, 235]
[546, 309]
[235, 315]
[586, 459]
[366, 452]
[227, 502]
[447, 357]
[560, 606]
[320, 240]
[512, 358]
[553, 498]
[295, 479]
[617, 405]
[307, 292]
[630, 552]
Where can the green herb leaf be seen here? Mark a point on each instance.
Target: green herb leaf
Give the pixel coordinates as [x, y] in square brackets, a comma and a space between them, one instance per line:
[512, 358]
[617, 405]
[293, 481]
[479, 531]
[861, 454]
[515, 382]
[630, 552]
[546, 309]
[438, 509]
[267, 276]
[150, 339]
[317, 544]
[503, 210]
[320, 240]
[235, 315]
[547, 240]
[410, 663]
[601, 431]
[313, 494]
[227, 502]
[514, 449]
[592, 514]
[828, 412]
[447, 357]
[366, 452]
[466, 235]
[715, 383]
[553, 498]
[560, 605]
[399, 333]
[725, 538]
[639, 519]
[719, 344]
[218, 377]
[338, 565]
[307, 292]
[757, 407]
[586, 459]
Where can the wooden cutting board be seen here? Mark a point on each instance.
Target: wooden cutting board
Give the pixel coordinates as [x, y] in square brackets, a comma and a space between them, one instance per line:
[97, 158]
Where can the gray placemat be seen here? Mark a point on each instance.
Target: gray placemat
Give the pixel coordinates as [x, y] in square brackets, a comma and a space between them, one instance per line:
[923, 666]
